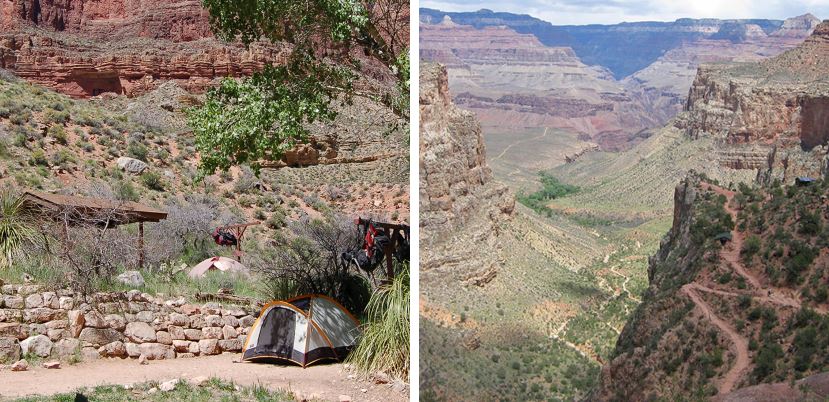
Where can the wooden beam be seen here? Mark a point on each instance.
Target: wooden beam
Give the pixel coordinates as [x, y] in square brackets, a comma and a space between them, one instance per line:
[140, 245]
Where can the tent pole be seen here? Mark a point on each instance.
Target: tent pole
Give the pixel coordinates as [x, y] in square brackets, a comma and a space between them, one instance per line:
[140, 245]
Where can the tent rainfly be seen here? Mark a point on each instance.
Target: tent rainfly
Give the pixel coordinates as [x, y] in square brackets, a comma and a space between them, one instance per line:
[219, 263]
[302, 330]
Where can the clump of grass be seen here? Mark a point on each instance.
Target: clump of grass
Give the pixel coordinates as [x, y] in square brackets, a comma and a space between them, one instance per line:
[17, 228]
[384, 346]
[215, 389]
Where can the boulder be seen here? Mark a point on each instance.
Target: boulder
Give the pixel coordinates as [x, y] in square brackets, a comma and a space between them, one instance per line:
[90, 353]
[21, 365]
[51, 365]
[14, 330]
[157, 351]
[230, 320]
[247, 321]
[168, 386]
[131, 278]
[76, 322]
[213, 321]
[230, 345]
[43, 314]
[211, 308]
[57, 334]
[193, 348]
[181, 346]
[132, 349]
[179, 319]
[184, 355]
[234, 312]
[209, 347]
[145, 316]
[190, 309]
[57, 324]
[143, 360]
[140, 332]
[131, 165]
[50, 299]
[116, 321]
[176, 332]
[100, 336]
[10, 315]
[229, 332]
[66, 303]
[39, 345]
[164, 337]
[94, 319]
[66, 347]
[14, 302]
[34, 301]
[211, 333]
[114, 349]
[193, 334]
[197, 321]
[9, 350]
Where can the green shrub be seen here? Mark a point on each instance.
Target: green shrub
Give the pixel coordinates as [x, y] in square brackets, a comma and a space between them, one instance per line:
[751, 246]
[58, 133]
[56, 117]
[125, 191]
[38, 157]
[137, 150]
[153, 181]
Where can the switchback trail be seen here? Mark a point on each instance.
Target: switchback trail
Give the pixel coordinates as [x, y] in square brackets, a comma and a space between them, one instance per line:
[740, 344]
[732, 255]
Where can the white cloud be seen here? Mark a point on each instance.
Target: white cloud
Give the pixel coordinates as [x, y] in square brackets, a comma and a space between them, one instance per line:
[566, 12]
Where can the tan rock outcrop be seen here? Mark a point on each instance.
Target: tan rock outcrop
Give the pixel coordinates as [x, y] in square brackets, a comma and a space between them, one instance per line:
[767, 116]
[459, 201]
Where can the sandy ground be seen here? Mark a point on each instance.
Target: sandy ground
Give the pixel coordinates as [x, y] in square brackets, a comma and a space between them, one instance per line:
[326, 382]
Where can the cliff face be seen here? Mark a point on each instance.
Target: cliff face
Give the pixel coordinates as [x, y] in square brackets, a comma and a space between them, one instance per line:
[177, 20]
[510, 79]
[770, 115]
[84, 48]
[510, 76]
[460, 204]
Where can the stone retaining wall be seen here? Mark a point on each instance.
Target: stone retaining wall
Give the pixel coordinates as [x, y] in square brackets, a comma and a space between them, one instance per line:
[126, 324]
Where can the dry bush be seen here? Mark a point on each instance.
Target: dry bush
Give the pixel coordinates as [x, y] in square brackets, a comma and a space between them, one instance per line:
[89, 246]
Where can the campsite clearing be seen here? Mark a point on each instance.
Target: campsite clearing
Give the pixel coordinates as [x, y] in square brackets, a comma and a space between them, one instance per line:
[325, 382]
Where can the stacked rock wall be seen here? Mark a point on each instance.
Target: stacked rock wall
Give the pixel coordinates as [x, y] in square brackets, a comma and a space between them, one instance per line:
[125, 324]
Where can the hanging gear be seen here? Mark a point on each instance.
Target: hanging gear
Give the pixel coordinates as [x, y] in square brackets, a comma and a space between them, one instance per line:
[224, 237]
[401, 249]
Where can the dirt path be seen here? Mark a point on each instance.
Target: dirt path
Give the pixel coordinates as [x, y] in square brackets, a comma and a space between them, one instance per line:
[326, 382]
[740, 344]
[518, 142]
[732, 255]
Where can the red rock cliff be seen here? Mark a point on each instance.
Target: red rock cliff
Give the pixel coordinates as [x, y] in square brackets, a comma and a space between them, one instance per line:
[87, 47]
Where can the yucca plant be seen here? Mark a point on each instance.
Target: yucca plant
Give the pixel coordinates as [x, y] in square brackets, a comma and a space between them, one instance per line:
[17, 228]
[384, 346]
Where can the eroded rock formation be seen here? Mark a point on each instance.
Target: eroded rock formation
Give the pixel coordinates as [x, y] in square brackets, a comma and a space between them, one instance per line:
[84, 48]
[461, 207]
[770, 115]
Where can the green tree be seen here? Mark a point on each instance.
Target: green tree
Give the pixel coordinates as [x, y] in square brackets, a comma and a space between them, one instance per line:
[333, 44]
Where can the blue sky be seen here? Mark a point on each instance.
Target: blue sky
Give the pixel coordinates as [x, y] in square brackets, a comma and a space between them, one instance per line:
[567, 12]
